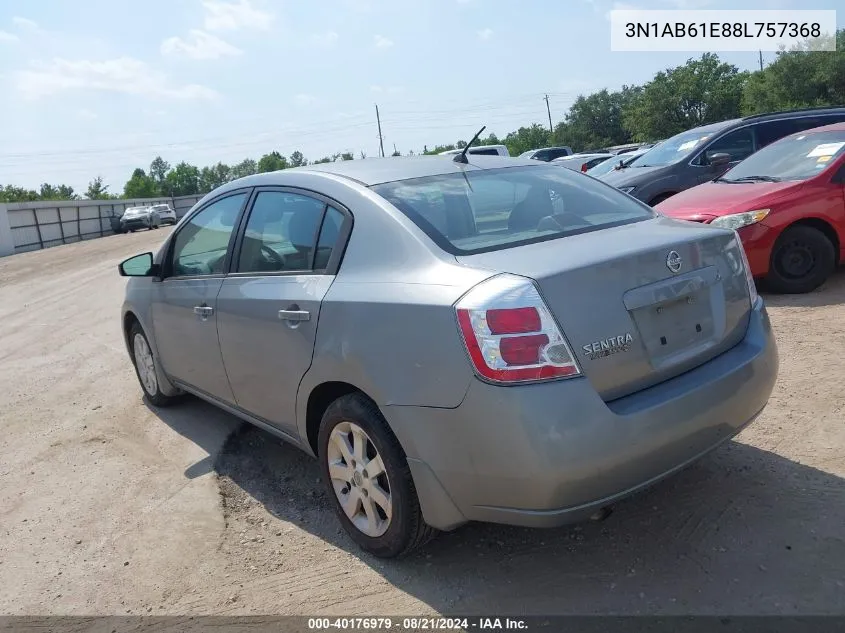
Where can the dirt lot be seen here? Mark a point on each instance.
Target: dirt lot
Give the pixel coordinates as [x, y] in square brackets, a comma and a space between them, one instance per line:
[110, 507]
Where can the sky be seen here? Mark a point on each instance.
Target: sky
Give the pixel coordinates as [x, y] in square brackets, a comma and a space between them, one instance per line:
[98, 87]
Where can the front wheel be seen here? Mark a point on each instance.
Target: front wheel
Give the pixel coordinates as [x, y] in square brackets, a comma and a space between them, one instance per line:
[801, 261]
[145, 367]
[369, 480]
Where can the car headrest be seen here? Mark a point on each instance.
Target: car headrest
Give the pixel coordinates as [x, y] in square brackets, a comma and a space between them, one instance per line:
[302, 226]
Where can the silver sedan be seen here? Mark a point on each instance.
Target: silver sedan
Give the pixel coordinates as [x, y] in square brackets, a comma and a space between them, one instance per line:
[493, 340]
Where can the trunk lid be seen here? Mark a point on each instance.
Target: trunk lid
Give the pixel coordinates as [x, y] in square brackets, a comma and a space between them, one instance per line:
[632, 320]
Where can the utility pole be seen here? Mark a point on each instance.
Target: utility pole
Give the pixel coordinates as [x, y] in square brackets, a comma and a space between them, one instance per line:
[380, 139]
[548, 109]
[761, 59]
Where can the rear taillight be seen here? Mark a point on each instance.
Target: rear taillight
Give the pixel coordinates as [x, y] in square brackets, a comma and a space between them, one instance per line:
[510, 334]
[584, 167]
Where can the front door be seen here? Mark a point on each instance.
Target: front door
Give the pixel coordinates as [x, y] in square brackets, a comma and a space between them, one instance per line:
[739, 144]
[184, 303]
[268, 307]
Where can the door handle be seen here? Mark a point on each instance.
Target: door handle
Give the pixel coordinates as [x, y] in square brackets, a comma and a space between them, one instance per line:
[203, 311]
[294, 315]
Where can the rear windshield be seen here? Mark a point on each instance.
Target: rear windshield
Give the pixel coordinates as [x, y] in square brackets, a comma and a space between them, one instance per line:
[478, 211]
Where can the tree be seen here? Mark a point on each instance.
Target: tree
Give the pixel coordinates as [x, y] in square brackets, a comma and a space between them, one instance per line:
[212, 177]
[347, 156]
[297, 159]
[526, 138]
[10, 193]
[798, 78]
[62, 192]
[158, 174]
[596, 120]
[183, 180]
[140, 186]
[246, 167]
[701, 91]
[272, 162]
[324, 159]
[97, 190]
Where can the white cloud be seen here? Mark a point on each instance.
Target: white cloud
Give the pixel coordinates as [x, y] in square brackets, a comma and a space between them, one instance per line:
[485, 34]
[329, 38]
[123, 75]
[304, 99]
[231, 16]
[25, 23]
[5, 36]
[382, 42]
[199, 45]
[88, 115]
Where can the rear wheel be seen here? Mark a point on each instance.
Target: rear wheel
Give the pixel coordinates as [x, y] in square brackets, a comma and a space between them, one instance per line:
[369, 480]
[802, 260]
[145, 367]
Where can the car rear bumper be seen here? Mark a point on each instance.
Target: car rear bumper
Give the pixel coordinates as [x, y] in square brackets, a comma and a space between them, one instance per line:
[140, 223]
[553, 453]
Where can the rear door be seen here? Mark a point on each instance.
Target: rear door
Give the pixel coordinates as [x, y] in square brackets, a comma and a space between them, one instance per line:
[184, 302]
[287, 254]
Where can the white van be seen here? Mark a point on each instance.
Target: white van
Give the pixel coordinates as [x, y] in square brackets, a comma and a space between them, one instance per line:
[486, 150]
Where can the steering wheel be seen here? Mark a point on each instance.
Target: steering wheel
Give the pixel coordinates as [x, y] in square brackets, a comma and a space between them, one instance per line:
[272, 256]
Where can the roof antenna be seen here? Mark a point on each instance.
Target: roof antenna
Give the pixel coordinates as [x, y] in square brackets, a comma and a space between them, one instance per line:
[462, 157]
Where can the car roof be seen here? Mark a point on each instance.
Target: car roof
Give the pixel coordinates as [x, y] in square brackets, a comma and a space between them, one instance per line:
[833, 127]
[586, 155]
[375, 171]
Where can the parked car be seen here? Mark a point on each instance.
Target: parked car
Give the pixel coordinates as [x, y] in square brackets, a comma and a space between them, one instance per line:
[165, 213]
[528, 360]
[618, 162]
[787, 202]
[704, 153]
[547, 154]
[135, 218]
[582, 162]
[480, 150]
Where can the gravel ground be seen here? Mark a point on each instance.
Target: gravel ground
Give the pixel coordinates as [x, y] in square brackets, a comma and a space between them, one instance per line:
[108, 506]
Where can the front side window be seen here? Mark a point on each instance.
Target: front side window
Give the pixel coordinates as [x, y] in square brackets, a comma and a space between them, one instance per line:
[200, 246]
[281, 233]
[492, 209]
[795, 157]
[739, 144]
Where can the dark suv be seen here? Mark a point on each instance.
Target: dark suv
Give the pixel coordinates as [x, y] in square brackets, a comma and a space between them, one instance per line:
[704, 153]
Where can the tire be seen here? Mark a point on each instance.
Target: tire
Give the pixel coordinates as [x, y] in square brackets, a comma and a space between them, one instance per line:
[406, 530]
[151, 391]
[802, 259]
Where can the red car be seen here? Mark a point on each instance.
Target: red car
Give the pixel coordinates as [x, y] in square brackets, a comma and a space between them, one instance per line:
[787, 202]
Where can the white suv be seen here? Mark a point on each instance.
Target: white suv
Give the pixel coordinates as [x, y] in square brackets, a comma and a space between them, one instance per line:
[165, 212]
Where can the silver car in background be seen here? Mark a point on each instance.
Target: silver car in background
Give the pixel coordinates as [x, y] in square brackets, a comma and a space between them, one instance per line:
[135, 218]
[499, 340]
[165, 212]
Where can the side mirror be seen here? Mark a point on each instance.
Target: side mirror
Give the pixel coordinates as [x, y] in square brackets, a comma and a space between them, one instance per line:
[139, 266]
[718, 159]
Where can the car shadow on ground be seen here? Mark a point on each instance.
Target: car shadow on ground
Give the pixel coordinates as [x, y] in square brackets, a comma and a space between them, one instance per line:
[742, 531]
[832, 292]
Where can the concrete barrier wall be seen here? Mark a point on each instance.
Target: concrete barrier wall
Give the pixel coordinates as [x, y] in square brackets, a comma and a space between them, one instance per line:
[29, 226]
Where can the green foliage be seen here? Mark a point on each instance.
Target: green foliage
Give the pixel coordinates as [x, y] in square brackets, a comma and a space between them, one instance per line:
[214, 176]
[798, 78]
[182, 180]
[62, 192]
[98, 191]
[158, 174]
[596, 120]
[10, 193]
[526, 138]
[701, 91]
[297, 159]
[246, 167]
[140, 186]
[272, 162]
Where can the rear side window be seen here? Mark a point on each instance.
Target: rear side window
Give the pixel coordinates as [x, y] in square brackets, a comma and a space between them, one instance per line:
[484, 152]
[281, 233]
[484, 210]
